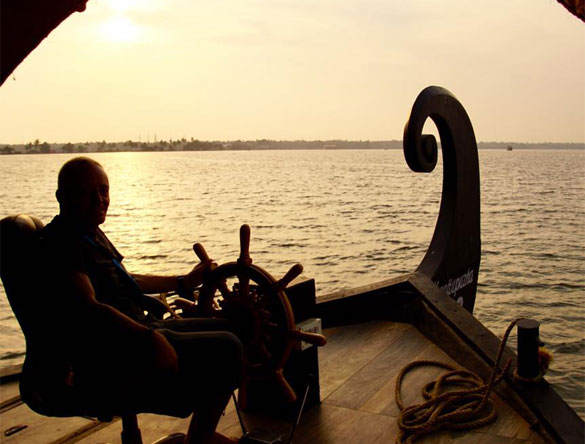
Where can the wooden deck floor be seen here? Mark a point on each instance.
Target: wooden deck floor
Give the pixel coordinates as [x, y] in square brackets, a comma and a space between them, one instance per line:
[358, 370]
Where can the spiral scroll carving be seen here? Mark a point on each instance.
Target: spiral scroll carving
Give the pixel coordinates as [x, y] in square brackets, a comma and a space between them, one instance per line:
[423, 154]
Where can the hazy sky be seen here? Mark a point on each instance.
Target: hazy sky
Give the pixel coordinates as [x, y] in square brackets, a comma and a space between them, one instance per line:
[298, 69]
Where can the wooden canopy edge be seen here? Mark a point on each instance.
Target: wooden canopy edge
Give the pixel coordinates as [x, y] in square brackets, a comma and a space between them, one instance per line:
[558, 419]
[24, 24]
[575, 7]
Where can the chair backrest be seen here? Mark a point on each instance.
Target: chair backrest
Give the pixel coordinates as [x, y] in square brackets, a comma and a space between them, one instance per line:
[44, 384]
[19, 266]
[47, 381]
[21, 272]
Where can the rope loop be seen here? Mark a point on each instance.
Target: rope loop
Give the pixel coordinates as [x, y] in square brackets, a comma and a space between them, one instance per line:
[457, 400]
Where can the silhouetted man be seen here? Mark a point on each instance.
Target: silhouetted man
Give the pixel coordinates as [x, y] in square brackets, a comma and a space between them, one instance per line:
[116, 348]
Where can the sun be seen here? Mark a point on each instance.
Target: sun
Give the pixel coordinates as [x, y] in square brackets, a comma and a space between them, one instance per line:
[120, 29]
[122, 25]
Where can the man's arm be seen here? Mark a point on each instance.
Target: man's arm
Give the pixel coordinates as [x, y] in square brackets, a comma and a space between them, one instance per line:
[112, 324]
[151, 284]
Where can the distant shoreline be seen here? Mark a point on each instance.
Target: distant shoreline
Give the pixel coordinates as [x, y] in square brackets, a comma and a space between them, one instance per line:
[38, 147]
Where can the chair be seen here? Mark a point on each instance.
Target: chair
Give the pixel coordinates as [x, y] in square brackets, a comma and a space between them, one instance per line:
[46, 380]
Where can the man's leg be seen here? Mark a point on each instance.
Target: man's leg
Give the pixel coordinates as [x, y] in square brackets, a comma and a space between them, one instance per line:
[210, 367]
[205, 421]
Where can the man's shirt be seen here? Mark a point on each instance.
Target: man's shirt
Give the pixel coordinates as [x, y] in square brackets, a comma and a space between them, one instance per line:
[67, 249]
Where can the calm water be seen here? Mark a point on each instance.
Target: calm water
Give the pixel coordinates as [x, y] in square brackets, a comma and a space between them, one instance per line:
[351, 218]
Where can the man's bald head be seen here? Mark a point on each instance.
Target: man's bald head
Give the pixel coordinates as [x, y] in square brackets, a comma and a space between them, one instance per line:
[72, 171]
[83, 192]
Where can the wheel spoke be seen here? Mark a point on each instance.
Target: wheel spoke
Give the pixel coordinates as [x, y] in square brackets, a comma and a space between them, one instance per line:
[206, 298]
[244, 282]
[290, 275]
[244, 258]
[264, 351]
[258, 352]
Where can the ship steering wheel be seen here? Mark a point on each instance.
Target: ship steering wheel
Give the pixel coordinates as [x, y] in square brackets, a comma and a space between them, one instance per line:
[259, 310]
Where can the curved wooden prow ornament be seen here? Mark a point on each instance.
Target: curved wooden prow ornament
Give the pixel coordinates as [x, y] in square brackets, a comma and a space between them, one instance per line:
[453, 257]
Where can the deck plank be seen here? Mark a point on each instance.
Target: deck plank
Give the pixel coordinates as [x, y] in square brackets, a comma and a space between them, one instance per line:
[329, 424]
[9, 391]
[9, 395]
[509, 422]
[364, 383]
[356, 345]
[40, 429]
[384, 402]
[152, 427]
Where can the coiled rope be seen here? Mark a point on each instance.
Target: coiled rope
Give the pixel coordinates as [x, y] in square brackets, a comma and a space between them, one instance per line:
[464, 409]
